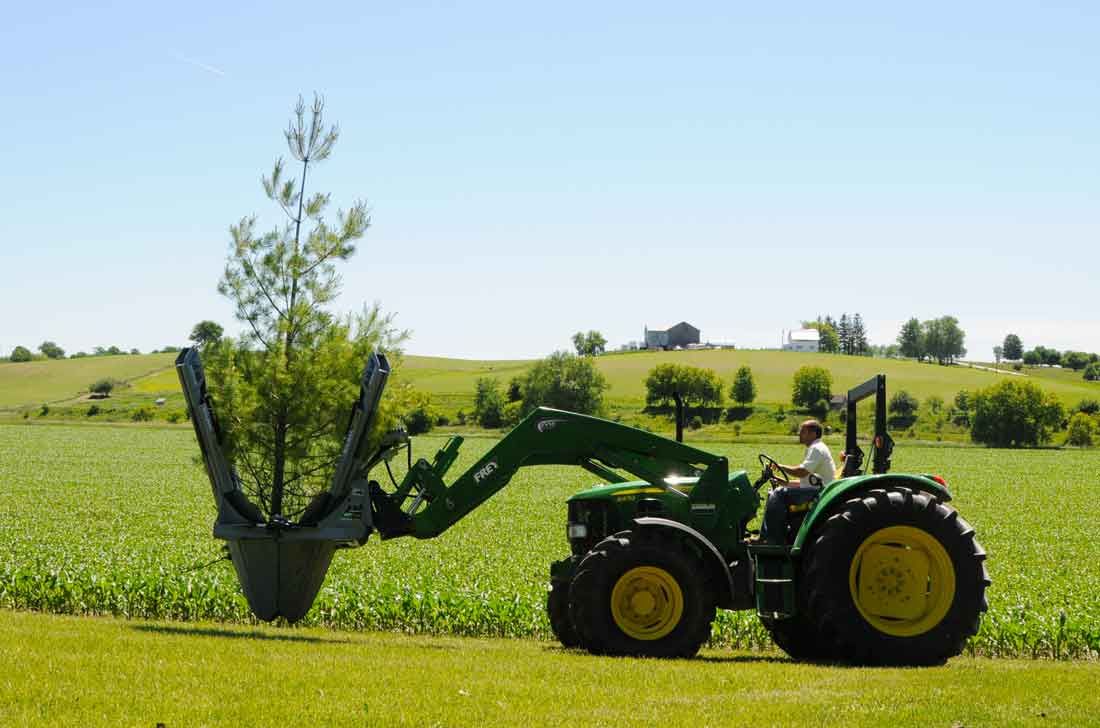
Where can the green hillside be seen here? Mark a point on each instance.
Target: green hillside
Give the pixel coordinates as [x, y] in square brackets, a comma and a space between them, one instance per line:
[773, 371]
[451, 382]
[37, 382]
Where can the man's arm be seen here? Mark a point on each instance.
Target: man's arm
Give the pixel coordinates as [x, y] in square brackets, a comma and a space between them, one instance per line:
[801, 471]
[796, 470]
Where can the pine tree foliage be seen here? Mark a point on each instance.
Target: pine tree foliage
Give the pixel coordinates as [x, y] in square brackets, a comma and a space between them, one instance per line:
[285, 387]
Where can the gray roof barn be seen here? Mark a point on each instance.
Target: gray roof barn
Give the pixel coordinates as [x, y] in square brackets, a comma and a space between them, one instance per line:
[682, 334]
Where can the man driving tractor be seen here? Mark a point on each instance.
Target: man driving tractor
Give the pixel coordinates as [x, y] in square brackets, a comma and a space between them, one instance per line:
[816, 471]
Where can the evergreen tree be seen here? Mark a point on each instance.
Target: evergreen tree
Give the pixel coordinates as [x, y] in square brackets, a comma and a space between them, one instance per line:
[844, 334]
[859, 336]
[285, 387]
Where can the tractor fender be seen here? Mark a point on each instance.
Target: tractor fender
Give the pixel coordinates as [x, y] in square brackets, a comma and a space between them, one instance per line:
[651, 522]
[849, 487]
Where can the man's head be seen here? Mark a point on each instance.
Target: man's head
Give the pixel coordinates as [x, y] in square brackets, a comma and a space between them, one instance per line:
[809, 431]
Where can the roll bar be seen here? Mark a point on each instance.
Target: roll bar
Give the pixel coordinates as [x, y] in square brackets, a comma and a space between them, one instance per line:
[882, 445]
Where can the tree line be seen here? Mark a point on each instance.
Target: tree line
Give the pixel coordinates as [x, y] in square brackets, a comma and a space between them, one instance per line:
[941, 340]
[848, 335]
[203, 334]
[50, 350]
[1012, 349]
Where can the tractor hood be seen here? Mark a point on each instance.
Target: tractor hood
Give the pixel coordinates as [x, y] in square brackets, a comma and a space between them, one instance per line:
[683, 484]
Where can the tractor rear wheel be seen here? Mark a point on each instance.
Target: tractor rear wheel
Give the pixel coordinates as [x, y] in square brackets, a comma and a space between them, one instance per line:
[799, 638]
[895, 577]
[557, 608]
[644, 596]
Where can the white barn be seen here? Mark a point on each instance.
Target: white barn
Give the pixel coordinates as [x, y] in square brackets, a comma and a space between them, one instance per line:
[803, 340]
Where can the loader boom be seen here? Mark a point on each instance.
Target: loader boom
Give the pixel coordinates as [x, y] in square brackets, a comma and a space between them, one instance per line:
[424, 506]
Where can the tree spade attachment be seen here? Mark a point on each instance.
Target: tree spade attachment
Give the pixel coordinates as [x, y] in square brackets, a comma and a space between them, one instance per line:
[281, 565]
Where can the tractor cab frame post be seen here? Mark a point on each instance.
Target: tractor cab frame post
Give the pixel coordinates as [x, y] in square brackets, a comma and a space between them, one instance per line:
[882, 443]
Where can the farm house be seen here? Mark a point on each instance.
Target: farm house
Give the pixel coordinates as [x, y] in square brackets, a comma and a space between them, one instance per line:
[679, 336]
[802, 340]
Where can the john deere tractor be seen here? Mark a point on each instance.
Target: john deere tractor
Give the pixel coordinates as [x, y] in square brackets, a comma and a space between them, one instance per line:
[879, 569]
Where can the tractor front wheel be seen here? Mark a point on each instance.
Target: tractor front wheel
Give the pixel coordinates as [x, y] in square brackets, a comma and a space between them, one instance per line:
[557, 608]
[641, 596]
[896, 577]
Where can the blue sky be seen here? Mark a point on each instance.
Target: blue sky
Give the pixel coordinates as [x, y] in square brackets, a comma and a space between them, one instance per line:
[535, 171]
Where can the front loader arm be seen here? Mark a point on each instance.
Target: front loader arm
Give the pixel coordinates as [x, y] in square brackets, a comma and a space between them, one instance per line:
[424, 506]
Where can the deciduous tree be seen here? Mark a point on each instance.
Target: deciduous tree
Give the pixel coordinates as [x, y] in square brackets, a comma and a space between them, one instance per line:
[1014, 413]
[911, 340]
[591, 344]
[564, 381]
[744, 387]
[811, 387]
[488, 403]
[205, 333]
[697, 386]
[1013, 348]
[1081, 431]
[51, 350]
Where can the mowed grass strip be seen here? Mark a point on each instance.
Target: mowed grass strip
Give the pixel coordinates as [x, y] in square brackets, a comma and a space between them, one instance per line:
[114, 520]
[38, 382]
[90, 672]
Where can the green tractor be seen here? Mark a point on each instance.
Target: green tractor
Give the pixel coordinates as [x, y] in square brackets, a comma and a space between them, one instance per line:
[877, 570]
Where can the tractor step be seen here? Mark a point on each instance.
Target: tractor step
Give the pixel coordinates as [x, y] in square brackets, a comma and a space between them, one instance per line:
[774, 580]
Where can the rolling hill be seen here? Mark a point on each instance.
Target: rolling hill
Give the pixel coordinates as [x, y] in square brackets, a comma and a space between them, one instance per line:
[451, 381]
[39, 382]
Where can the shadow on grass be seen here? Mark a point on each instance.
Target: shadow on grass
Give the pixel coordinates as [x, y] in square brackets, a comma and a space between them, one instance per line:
[732, 659]
[232, 634]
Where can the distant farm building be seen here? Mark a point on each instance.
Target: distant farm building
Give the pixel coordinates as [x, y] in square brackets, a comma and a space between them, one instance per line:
[803, 340]
[680, 336]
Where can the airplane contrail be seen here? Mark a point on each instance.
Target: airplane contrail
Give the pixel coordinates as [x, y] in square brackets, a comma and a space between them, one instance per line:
[200, 64]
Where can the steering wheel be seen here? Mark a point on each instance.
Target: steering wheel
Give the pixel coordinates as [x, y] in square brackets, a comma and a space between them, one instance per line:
[772, 471]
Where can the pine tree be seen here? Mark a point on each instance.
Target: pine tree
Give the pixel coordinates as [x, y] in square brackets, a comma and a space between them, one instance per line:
[859, 336]
[844, 334]
[284, 389]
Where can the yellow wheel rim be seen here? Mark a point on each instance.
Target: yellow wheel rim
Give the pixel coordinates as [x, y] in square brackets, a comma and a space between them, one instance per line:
[902, 581]
[647, 603]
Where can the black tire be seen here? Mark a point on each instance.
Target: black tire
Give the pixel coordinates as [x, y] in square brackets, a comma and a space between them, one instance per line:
[799, 638]
[557, 608]
[841, 625]
[590, 597]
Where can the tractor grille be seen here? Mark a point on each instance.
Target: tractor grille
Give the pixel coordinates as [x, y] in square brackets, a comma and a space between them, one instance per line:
[596, 517]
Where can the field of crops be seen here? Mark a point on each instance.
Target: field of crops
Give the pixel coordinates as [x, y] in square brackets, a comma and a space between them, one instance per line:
[113, 520]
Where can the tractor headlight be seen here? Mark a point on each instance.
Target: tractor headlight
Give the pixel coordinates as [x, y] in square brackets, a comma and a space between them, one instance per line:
[576, 531]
